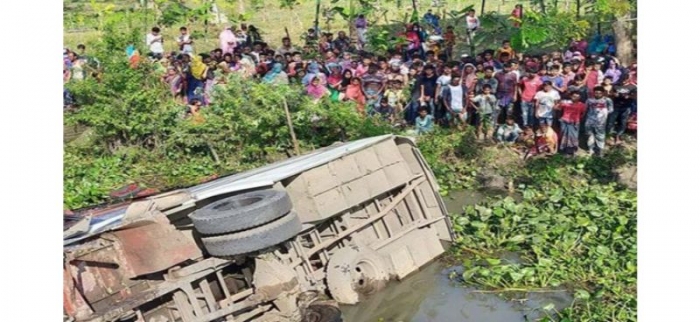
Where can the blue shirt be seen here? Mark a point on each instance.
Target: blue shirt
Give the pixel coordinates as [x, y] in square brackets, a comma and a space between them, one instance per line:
[557, 81]
[424, 125]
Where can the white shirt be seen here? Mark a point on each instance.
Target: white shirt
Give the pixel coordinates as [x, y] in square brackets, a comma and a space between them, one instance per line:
[444, 80]
[187, 48]
[545, 102]
[456, 103]
[156, 47]
[472, 22]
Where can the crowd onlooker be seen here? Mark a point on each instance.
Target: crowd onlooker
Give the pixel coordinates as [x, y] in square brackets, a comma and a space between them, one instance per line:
[537, 100]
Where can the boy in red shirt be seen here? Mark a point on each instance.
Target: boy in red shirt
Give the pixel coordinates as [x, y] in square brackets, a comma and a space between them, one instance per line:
[572, 112]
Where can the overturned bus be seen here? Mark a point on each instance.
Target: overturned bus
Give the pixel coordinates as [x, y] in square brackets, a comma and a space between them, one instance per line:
[283, 242]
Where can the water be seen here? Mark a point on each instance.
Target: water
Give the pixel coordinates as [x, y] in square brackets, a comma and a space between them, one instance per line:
[458, 199]
[430, 296]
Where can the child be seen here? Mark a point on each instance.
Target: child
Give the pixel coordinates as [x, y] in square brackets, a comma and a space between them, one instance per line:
[484, 110]
[193, 111]
[184, 41]
[597, 109]
[506, 49]
[508, 132]
[473, 25]
[572, 112]
[517, 15]
[545, 142]
[361, 27]
[424, 122]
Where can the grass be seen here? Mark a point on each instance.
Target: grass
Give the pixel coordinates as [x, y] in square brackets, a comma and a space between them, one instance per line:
[270, 19]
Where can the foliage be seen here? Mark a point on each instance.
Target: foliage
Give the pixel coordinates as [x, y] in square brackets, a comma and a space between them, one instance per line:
[140, 134]
[174, 12]
[452, 157]
[554, 29]
[380, 39]
[570, 230]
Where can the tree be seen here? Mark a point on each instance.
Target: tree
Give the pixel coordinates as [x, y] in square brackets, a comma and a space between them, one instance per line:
[621, 12]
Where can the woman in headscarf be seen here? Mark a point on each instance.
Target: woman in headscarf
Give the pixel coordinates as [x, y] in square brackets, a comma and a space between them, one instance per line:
[196, 77]
[276, 75]
[316, 90]
[313, 71]
[344, 83]
[354, 93]
[335, 79]
[247, 67]
[469, 77]
[174, 81]
[227, 40]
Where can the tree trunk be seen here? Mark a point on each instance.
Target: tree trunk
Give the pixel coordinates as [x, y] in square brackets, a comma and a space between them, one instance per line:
[483, 4]
[623, 39]
[578, 9]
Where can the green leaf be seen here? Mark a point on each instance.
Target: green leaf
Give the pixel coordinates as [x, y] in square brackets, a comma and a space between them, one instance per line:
[517, 239]
[582, 294]
[493, 261]
[516, 276]
[602, 250]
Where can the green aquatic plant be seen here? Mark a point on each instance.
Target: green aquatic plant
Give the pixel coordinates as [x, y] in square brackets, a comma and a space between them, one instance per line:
[573, 233]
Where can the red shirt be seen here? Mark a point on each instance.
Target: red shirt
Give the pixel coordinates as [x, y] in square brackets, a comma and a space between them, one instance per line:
[530, 87]
[572, 112]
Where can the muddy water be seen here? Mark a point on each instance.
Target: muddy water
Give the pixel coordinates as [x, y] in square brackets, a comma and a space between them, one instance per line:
[430, 296]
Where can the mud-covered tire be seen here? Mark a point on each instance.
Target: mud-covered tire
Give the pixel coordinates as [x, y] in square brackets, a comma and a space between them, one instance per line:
[322, 313]
[241, 212]
[254, 239]
[354, 271]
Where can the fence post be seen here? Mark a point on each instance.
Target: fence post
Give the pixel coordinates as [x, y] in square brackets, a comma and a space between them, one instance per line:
[291, 127]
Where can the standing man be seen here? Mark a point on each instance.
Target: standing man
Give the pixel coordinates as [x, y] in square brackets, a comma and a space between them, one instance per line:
[154, 41]
[507, 90]
[455, 98]
[423, 93]
[342, 42]
[625, 98]
[545, 100]
[528, 88]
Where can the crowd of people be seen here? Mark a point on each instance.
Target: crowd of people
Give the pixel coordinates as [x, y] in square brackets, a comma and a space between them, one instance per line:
[542, 101]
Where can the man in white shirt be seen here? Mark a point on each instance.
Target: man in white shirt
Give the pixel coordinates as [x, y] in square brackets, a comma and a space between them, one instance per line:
[473, 24]
[545, 100]
[154, 41]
